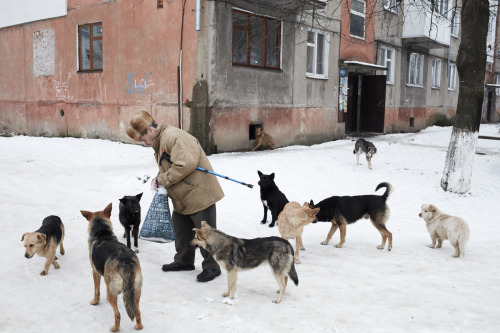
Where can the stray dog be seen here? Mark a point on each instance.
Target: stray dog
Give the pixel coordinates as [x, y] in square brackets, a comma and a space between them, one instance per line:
[442, 226]
[348, 209]
[117, 263]
[130, 217]
[366, 147]
[234, 254]
[271, 197]
[44, 242]
[263, 140]
[291, 223]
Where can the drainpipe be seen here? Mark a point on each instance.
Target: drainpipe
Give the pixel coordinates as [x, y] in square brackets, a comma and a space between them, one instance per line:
[179, 69]
[198, 15]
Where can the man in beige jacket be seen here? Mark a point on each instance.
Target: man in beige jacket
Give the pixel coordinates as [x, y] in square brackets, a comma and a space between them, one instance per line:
[193, 193]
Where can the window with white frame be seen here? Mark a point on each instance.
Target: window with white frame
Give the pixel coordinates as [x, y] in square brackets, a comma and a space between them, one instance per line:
[436, 73]
[317, 54]
[358, 13]
[440, 7]
[498, 83]
[388, 61]
[455, 23]
[391, 5]
[415, 70]
[452, 77]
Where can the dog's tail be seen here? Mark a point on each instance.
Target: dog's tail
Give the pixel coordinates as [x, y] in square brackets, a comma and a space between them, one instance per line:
[293, 274]
[388, 191]
[462, 240]
[132, 283]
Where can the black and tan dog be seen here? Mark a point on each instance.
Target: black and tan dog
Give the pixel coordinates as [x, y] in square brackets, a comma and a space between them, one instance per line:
[44, 242]
[235, 254]
[117, 263]
[363, 146]
[341, 211]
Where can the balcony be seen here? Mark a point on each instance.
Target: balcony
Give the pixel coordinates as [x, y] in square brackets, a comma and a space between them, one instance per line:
[424, 27]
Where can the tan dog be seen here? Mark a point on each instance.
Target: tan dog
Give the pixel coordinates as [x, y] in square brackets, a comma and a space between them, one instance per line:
[117, 263]
[442, 226]
[291, 223]
[44, 242]
[263, 140]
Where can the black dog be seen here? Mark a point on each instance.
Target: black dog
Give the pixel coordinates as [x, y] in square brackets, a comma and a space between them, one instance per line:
[271, 197]
[341, 211]
[130, 217]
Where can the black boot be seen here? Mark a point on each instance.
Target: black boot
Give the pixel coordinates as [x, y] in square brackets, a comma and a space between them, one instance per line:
[208, 275]
[175, 267]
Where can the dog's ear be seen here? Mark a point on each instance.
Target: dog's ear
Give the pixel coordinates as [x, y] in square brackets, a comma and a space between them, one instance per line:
[204, 224]
[22, 238]
[259, 173]
[42, 238]
[314, 211]
[432, 208]
[107, 210]
[123, 200]
[86, 214]
[272, 176]
[311, 204]
[139, 196]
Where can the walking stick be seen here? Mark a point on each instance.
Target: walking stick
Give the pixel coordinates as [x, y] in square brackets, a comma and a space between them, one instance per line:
[166, 156]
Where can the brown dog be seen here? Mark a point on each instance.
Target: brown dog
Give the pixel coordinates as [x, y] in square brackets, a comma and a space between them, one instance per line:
[263, 140]
[44, 242]
[291, 223]
[117, 263]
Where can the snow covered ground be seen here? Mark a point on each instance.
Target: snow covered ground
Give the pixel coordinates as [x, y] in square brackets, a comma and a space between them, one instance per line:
[356, 288]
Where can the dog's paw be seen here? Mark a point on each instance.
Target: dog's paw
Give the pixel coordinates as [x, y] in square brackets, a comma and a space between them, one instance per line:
[138, 326]
[431, 246]
[94, 302]
[271, 225]
[277, 301]
[338, 245]
[56, 265]
[380, 247]
[263, 222]
[136, 250]
[302, 248]
[43, 273]
[324, 243]
[63, 252]
[297, 261]
[114, 328]
[225, 294]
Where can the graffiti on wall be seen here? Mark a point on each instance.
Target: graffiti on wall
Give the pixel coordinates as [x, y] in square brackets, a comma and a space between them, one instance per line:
[143, 87]
[62, 87]
[44, 52]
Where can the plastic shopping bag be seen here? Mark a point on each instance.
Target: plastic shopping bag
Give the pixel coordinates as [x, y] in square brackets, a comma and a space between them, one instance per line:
[157, 226]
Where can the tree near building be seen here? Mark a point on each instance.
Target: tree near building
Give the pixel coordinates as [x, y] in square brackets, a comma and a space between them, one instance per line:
[471, 63]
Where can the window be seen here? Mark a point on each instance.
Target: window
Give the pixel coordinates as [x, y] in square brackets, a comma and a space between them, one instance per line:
[358, 18]
[436, 73]
[452, 83]
[415, 70]
[317, 54]
[455, 23]
[440, 7]
[90, 47]
[256, 40]
[391, 5]
[388, 61]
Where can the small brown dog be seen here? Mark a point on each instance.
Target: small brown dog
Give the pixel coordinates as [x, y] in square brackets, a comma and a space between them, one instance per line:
[44, 242]
[263, 140]
[291, 223]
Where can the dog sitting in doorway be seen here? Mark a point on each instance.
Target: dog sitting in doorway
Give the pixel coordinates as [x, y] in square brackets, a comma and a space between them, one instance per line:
[263, 140]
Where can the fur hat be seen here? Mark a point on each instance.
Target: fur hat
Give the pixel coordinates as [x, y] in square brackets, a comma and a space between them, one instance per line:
[139, 125]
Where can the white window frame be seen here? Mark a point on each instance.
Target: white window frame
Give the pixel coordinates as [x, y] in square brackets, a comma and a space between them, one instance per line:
[455, 23]
[436, 73]
[452, 77]
[363, 15]
[389, 63]
[415, 65]
[314, 45]
[440, 7]
[391, 5]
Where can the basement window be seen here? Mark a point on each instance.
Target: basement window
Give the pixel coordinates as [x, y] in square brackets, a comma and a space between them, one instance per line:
[251, 131]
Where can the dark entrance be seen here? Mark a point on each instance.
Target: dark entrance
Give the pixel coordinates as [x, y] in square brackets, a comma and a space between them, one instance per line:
[366, 103]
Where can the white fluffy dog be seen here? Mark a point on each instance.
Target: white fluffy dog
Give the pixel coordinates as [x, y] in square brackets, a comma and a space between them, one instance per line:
[442, 226]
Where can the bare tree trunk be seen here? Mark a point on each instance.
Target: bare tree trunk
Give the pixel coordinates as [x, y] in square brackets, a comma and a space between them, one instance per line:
[471, 64]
